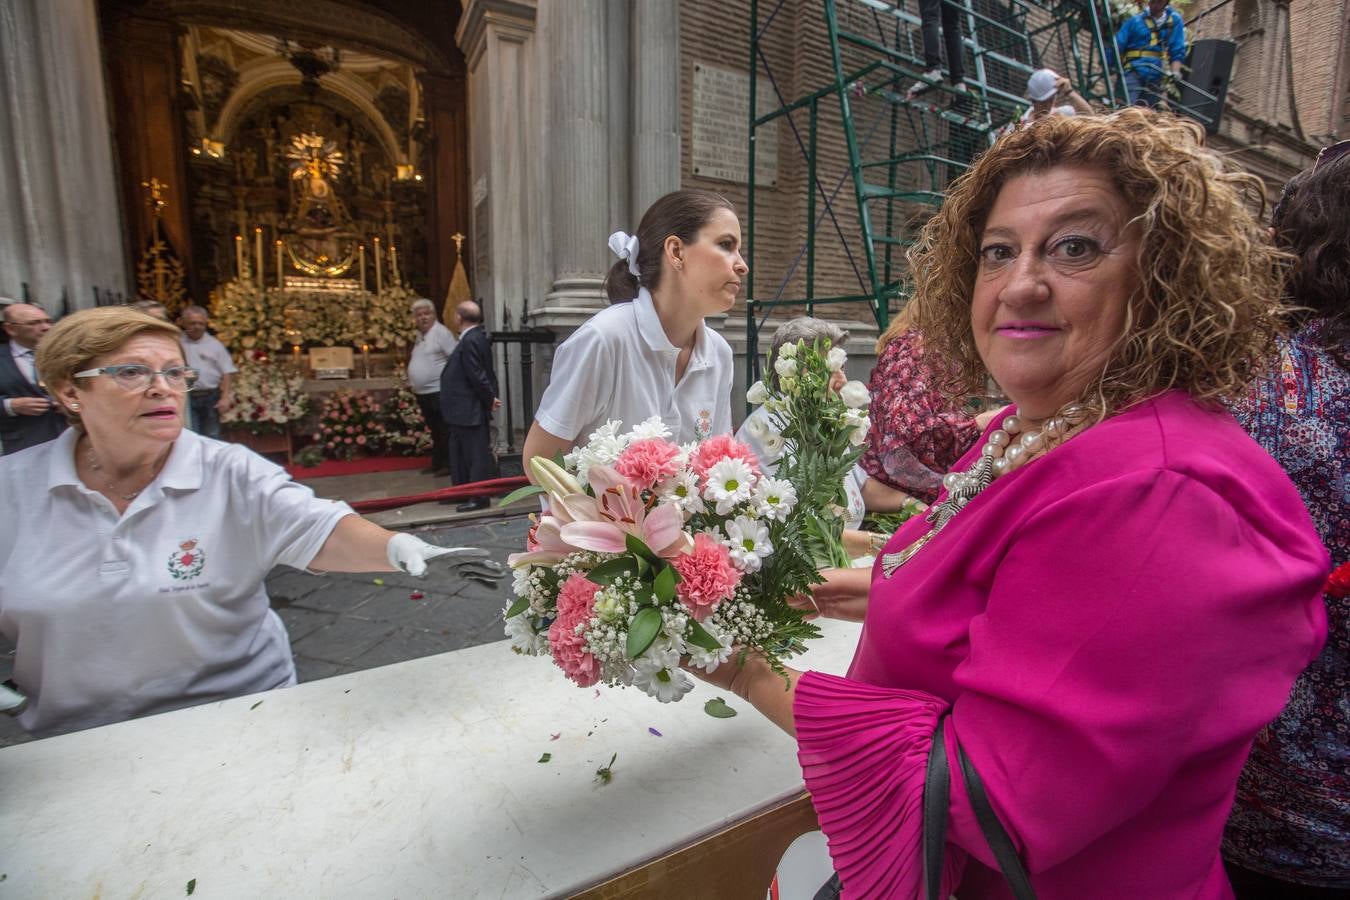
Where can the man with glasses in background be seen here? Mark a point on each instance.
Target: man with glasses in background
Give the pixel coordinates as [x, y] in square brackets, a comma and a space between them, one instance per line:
[203, 352]
[27, 415]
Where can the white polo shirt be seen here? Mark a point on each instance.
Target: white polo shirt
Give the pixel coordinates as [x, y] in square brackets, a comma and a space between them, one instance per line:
[621, 365]
[211, 360]
[429, 353]
[768, 462]
[160, 608]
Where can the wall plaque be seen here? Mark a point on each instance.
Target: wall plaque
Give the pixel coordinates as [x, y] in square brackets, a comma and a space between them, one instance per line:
[721, 128]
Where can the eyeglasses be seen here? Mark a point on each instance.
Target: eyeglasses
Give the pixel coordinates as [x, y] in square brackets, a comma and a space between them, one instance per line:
[135, 377]
[1327, 154]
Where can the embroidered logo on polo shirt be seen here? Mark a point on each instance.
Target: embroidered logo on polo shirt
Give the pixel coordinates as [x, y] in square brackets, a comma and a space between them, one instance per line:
[703, 427]
[187, 561]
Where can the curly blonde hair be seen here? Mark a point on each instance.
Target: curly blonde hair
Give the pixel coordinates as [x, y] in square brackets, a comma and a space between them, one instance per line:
[1206, 311]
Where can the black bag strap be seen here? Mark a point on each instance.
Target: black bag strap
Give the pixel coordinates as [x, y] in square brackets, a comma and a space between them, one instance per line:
[936, 797]
[1004, 851]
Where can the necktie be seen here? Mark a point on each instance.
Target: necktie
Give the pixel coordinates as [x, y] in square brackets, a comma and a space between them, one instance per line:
[29, 367]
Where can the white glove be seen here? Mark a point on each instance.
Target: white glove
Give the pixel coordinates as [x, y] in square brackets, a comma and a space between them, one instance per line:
[409, 554]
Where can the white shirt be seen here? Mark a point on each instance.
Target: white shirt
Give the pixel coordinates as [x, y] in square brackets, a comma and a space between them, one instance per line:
[211, 360]
[162, 607]
[26, 363]
[621, 365]
[768, 463]
[429, 353]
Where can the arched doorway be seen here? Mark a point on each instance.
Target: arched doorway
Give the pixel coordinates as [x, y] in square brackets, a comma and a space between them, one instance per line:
[207, 94]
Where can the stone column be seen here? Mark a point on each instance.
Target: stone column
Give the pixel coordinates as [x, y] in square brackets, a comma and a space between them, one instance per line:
[63, 233]
[618, 115]
[656, 101]
[579, 147]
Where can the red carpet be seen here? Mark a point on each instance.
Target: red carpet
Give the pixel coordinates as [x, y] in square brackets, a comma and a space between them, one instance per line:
[331, 467]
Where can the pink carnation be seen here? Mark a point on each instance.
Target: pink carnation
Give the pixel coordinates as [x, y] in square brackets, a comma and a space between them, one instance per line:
[715, 449]
[648, 462]
[575, 602]
[707, 576]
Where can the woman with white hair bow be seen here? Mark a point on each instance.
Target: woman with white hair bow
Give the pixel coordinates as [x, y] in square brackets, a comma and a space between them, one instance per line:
[650, 353]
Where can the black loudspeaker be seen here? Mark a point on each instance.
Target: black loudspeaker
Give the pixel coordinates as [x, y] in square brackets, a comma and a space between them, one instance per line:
[1209, 68]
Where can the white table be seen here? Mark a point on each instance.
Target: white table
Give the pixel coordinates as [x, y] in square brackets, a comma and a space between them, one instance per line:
[414, 780]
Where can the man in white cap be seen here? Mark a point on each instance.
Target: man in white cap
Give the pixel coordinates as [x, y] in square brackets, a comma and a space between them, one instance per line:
[1051, 95]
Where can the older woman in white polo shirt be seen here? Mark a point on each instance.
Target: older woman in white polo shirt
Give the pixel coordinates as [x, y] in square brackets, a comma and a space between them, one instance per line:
[651, 353]
[133, 551]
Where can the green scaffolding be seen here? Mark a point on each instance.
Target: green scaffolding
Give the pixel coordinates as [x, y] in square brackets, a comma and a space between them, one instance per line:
[900, 153]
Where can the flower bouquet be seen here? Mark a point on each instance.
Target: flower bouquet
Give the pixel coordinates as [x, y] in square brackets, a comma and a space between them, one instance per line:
[653, 553]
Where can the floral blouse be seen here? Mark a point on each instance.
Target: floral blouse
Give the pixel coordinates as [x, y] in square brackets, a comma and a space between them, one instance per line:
[1292, 816]
[916, 433]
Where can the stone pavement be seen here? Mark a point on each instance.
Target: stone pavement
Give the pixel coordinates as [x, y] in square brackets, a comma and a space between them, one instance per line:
[342, 623]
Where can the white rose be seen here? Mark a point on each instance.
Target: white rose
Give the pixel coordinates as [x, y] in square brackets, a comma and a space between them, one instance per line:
[858, 436]
[835, 359]
[757, 394]
[787, 351]
[854, 394]
[785, 366]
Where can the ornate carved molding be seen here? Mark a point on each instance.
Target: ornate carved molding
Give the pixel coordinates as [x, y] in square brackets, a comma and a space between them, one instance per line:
[511, 19]
[349, 25]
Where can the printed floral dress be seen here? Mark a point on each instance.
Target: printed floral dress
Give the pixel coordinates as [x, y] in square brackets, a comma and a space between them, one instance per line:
[1292, 816]
[916, 434]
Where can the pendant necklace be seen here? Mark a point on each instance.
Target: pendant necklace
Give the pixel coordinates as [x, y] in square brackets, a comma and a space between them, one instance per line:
[112, 485]
[1002, 452]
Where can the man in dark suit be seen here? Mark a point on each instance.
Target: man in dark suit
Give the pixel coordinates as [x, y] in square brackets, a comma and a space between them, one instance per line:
[27, 415]
[468, 399]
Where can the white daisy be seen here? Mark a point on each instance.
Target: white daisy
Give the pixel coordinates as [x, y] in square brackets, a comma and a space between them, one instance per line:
[652, 428]
[748, 541]
[775, 498]
[708, 660]
[729, 482]
[524, 639]
[682, 490]
[666, 685]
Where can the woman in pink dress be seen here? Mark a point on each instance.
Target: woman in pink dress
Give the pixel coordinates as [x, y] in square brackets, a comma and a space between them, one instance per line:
[1117, 587]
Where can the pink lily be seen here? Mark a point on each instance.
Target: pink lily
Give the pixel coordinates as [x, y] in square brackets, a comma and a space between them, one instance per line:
[545, 546]
[602, 523]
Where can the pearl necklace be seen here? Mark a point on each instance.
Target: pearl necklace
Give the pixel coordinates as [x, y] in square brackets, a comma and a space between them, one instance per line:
[1002, 452]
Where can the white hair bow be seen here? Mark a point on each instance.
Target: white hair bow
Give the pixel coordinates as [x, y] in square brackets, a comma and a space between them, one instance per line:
[625, 246]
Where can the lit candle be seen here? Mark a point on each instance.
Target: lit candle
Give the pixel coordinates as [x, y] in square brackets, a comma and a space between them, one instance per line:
[361, 252]
[238, 256]
[379, 280]
[295, 350]
[393, 264]
[257, 254]
[278, 264]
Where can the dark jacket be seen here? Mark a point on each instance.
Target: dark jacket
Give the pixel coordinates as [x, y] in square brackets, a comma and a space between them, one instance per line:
[468, 381]
[21, 432]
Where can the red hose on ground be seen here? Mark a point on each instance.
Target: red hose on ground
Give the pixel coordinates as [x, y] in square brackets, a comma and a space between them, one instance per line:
[490, 488]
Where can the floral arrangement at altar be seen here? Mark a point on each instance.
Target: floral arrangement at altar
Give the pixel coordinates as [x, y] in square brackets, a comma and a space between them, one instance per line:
[652, 553]
[265, 396]
[388, 324]
[351, 425]
[406, 431]
[245, 318]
